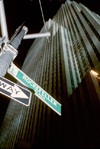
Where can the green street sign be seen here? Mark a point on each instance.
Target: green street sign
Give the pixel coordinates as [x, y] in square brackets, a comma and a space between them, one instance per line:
[39, 92]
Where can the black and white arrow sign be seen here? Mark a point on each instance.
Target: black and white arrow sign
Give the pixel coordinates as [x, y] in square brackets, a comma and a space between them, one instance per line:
[15, 91]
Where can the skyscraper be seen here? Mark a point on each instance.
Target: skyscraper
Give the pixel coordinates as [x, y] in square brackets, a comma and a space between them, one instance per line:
[60, 64]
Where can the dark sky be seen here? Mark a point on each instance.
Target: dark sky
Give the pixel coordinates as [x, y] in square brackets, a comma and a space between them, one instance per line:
[18, 11]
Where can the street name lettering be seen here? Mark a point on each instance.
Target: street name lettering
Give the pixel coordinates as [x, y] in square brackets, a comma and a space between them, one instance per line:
[39, 92]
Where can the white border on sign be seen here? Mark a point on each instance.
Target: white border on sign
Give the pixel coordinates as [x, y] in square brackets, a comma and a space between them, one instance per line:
[20, 87]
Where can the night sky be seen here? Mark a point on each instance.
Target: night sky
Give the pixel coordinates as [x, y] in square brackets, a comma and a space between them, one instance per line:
[18, 11]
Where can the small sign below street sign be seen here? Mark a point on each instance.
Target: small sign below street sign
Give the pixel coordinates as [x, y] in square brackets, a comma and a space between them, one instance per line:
[39, 92]
[15, 91]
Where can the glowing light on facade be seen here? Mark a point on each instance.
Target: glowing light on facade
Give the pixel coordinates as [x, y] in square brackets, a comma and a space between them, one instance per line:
[95, 73]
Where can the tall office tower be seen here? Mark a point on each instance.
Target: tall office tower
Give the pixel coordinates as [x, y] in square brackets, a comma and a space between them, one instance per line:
[60, 64]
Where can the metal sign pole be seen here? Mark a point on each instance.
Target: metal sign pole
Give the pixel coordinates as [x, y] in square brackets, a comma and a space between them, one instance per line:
[3, 20]
[8, 54]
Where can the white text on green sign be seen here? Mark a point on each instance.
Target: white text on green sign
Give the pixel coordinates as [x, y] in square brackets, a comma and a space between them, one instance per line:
[39, 92]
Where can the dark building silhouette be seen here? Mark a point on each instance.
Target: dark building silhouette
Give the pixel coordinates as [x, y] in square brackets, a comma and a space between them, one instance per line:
[61, 65]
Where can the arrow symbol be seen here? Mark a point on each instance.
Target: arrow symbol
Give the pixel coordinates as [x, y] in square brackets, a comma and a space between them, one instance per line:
[14, 91]
[18, 93]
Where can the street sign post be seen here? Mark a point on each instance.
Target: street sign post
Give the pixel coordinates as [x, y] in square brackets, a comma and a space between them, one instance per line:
[14, 91]
[39, 92]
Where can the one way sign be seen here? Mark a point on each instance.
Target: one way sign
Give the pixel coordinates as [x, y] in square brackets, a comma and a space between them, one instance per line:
[15, 91]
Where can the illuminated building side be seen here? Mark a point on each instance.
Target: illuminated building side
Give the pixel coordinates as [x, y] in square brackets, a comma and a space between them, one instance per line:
[60, 64]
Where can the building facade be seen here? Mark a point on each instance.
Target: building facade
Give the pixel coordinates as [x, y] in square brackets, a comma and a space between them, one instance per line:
[61, 65]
